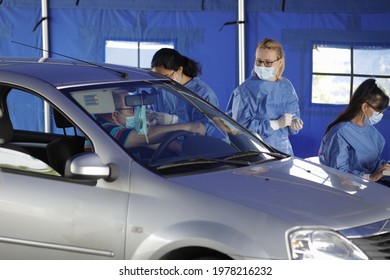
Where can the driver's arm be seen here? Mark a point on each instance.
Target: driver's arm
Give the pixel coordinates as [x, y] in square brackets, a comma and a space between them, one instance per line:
[156, 133]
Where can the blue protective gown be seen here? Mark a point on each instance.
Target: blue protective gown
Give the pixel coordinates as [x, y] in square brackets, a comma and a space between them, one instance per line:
[352, 148]
[255, 102]
[174, 105]
[198, 86]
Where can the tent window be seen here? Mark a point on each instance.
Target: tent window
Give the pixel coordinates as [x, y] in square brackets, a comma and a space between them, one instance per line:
[138, 54]
[338, 71]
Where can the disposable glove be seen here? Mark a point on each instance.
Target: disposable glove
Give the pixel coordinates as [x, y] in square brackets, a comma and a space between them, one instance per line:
[164, 118]
[282, 122]
[161, 118]
[150, 115]
[296, 124]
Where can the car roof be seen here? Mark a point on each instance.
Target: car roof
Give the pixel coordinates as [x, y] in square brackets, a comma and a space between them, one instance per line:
[65, 72]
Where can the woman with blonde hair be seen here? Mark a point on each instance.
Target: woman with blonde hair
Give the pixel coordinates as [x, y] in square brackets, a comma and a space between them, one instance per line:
[266, 103]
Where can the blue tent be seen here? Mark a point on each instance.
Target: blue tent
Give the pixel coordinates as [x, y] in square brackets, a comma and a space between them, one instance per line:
[207, 31]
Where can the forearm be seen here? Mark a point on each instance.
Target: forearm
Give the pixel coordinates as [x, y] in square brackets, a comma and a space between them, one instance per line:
[157, 133]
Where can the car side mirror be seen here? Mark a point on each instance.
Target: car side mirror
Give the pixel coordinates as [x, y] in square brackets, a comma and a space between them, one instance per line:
[88, 166]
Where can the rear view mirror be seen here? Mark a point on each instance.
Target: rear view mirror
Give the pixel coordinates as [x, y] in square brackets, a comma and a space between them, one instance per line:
[140, 99]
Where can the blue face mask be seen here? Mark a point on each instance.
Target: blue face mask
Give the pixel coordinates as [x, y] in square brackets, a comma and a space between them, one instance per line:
[130, 122]
[375, 118]
[265, 73]
[139, 122]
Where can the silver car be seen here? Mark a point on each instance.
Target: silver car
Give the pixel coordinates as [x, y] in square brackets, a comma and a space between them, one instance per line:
[69, 189]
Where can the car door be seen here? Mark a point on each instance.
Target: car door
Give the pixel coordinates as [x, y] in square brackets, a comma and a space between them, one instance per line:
[43, 217]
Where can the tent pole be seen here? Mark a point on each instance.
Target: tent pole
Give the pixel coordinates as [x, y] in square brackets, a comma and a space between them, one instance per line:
[45, 29]
[45, 54]
[241, 41]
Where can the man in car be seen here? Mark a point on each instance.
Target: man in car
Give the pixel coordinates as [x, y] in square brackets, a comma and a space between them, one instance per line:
[120, 124]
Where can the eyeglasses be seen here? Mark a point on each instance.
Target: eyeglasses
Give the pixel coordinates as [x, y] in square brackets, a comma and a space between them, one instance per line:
[129, 109]
[376, 109]
[266, 63]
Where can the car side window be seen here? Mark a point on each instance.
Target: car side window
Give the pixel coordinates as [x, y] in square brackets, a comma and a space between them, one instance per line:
[38, 150]
[25, 110]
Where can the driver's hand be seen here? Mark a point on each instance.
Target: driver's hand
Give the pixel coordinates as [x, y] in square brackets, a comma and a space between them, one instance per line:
[222, 124]
[378, 174]
[197, 127]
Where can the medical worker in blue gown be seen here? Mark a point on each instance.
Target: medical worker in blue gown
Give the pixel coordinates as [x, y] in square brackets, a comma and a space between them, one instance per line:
[172, 64]
[266, 102]
[351, 142]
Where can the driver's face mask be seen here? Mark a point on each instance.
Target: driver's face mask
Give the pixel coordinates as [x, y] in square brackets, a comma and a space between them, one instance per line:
[138, 121]
[130, 121]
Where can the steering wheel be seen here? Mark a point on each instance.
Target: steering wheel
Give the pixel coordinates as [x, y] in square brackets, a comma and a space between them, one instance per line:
[169, 138]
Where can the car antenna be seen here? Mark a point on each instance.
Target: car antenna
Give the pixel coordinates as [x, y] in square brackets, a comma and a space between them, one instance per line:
[120, 73]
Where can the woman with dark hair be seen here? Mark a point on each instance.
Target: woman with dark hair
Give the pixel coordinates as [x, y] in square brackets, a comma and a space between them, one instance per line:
[185, 71]
[351, 143]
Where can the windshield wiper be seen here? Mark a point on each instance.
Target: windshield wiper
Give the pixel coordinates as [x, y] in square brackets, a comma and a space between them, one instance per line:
[231, 160]
[256, 153]
[203, 161]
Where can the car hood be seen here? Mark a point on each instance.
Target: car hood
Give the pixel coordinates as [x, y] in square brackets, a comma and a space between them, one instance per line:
[299, 192]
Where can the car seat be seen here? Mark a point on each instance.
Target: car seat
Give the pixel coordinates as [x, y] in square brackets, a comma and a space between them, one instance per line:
[61, 149]
[7, 132]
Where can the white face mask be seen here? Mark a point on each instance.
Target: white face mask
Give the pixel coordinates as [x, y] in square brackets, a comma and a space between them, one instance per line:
[265, 73]
[375, 118]
[176, 79]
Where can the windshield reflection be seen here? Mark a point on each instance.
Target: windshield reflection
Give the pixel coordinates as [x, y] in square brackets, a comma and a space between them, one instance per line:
[316, 173]
[159, 124]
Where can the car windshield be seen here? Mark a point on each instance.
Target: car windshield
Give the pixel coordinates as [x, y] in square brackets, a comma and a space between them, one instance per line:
[166, 127]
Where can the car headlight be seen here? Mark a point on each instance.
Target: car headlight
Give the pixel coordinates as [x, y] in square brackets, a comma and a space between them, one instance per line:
[322, 244]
